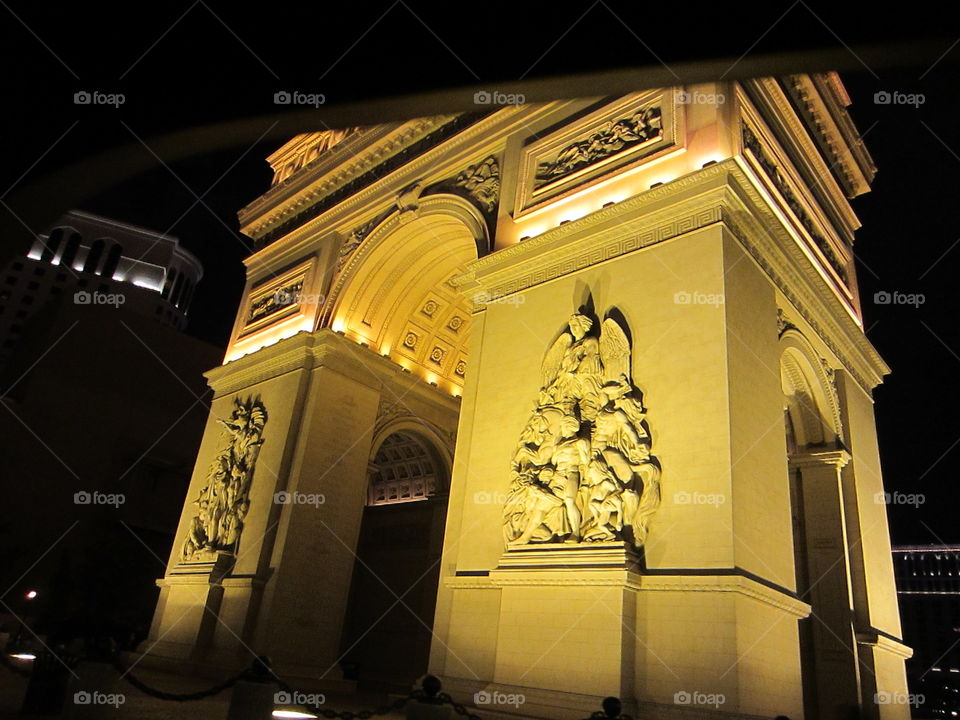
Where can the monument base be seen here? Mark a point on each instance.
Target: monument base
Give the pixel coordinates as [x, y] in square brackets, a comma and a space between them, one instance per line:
[570, 624]
[617, 555]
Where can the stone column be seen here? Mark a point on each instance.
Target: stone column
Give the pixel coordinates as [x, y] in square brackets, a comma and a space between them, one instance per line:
[825, 583]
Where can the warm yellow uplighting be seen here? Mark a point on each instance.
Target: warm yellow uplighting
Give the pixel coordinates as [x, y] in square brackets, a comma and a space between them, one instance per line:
[338, 325]
[269, 336]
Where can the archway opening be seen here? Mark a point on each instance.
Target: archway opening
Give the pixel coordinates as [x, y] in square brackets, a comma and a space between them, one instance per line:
[811, 426]
[385, 643]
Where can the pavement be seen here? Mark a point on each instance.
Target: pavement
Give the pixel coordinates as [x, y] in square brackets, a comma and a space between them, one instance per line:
[136, 704]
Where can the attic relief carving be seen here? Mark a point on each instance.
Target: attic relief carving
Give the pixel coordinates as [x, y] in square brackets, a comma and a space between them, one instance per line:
[611, 138]
[582, 471]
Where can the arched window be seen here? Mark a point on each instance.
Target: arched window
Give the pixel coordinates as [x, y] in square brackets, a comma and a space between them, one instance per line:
[93, 257]
[113, 259]
[70, 252]
[52, 245]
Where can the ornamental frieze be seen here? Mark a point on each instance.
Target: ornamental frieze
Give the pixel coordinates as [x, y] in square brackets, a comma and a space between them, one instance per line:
[752, 143]
[611, 138]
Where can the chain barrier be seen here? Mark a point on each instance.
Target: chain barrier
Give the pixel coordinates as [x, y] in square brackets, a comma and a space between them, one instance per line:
[429, 694]
[261, 671]
[176, 697]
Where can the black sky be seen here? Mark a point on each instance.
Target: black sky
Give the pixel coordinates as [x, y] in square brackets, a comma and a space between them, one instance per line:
[195, 64]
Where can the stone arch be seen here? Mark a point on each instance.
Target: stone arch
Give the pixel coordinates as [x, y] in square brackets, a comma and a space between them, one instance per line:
[407, 454]
[395, 292]
[811, 405]
[440, 448]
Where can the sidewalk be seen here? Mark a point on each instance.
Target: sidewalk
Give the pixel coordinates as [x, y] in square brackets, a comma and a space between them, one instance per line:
[144, 707]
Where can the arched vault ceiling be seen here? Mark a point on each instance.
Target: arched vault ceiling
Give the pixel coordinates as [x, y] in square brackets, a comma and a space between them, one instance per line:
[399, 299]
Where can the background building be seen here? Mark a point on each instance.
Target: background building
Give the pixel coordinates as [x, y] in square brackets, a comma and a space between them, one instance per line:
[928, 585]
[102, 410]
[86, 258]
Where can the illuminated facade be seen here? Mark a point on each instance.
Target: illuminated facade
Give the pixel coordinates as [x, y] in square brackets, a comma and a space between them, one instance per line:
[626, 334]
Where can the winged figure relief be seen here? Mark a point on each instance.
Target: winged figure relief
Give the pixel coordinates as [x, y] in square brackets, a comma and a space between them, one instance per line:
[582, 471]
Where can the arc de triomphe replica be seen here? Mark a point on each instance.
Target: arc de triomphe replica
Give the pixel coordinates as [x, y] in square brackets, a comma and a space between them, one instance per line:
[557, 401]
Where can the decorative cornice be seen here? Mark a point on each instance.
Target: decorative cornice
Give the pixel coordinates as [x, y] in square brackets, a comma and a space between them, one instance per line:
[772, 171]
[326, 348]
[721, 193]
[489, 133]
[365, 169]
[882, 641]
[582, 577]
[823, 100]
[837, 459]
[766, 102]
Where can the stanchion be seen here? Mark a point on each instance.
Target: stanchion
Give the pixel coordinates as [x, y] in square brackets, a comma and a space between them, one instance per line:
[428, 704]
[91, 689]
[254, 694]
[612, 710]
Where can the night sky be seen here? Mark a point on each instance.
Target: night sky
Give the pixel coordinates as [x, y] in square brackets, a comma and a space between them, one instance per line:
[186, 65]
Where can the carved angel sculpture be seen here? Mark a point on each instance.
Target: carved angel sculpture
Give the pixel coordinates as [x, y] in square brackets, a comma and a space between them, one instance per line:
[223, 502]
[582, 471]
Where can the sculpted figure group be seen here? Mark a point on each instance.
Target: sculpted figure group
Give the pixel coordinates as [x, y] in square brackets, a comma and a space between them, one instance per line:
[583, 471]
[223, 503]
